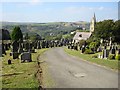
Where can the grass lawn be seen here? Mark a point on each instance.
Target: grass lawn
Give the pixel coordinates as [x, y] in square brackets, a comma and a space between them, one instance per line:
[20, 75]
[113, 64]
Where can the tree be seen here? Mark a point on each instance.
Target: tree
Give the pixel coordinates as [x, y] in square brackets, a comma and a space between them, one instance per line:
[16, 34]
[116, 31]
[104, 29]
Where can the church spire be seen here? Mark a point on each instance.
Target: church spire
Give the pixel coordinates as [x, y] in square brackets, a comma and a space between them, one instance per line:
[92, 24]
[94, 18]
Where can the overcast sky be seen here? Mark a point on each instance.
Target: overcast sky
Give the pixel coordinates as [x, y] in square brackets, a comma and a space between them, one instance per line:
[37, 11]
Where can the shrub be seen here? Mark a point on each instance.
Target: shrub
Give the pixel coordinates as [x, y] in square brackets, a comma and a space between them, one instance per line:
[95, 56]
[88, 51]
[111, 56]
[117, 57]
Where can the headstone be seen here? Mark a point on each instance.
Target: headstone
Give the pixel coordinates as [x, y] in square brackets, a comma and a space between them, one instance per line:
[47, 44]
[3, 49]
[43, 44]
[68, 46]
[26, 45]
[15, 55]
[6, 47]
[26, 56]
[83, 49]
[99, 49]
[38, 45]
[20, 49]
[118, 51]
[105, 47]
[75, 47]
[9, 61]
[35, 45]
[113, 50]
[105, 53]
[0, 50]
[110, 43]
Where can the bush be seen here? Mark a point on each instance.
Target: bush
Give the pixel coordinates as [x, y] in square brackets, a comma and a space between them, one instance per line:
[111, 56]
[88, 51]
[117, 57]
[95, 56]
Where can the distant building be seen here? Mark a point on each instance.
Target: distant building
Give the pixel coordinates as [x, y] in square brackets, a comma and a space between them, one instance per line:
[85, 35]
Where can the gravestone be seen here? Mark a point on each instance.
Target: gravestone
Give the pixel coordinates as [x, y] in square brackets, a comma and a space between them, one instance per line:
[113, 50]
[15, 46]
[105, 47]
[35, 45]
[6, 47]
[26, 46]
[0, 50]
[38, 45]
[118, 51]
[47, 44]
[9, 62]
[99, 49]
[105, 53]
[3, 49]
[43, 44]
[26, 56]
[72, 46]
[83, 49]
[20, 49]
[75, 47]
[68, 46]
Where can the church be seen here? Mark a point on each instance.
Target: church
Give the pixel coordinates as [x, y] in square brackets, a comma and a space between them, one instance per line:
[85, 35]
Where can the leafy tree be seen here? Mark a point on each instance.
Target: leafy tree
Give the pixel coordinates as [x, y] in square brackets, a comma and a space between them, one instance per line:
[16, 34]
[104, 29]
[116, 31]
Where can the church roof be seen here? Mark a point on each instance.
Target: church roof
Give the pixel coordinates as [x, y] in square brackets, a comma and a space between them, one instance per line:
[82, 35]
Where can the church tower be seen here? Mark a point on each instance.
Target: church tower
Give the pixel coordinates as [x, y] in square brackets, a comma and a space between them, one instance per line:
[92, 24]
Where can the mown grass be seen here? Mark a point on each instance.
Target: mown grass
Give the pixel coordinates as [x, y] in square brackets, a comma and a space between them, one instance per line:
[20, 75]
[112, 64]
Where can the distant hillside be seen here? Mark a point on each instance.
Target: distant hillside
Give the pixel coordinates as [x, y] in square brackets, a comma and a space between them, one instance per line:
[46, 29]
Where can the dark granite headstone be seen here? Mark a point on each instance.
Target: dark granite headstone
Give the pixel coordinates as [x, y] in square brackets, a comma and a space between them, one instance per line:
[118, 51]
[26, 56]
[9, 61]
[3, 49]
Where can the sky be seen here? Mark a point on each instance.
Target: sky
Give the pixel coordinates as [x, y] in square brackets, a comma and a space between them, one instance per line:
[40, 12]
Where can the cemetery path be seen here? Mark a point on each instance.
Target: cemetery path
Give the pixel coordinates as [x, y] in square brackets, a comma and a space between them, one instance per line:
[70, 72]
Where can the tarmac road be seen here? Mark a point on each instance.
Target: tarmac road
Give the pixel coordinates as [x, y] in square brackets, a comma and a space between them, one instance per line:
[71, 72]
